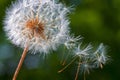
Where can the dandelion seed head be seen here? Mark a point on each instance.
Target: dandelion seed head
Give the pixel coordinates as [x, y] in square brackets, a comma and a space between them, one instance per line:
[43, 24]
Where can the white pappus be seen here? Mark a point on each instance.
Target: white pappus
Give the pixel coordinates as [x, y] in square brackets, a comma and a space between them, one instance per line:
[41, 24]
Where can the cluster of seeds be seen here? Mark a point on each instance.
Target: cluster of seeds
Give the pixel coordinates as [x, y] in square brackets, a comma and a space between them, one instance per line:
[40, 26]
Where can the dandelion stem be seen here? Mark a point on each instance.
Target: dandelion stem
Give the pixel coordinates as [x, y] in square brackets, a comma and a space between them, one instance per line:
[61, 62]
[76, 77]
[20, 63]
[63, 55]
[84, 76]
[101, 65]
[67, 65]
[65, 59]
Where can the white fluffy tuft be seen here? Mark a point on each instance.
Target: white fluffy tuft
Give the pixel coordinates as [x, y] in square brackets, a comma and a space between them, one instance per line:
[52, 14]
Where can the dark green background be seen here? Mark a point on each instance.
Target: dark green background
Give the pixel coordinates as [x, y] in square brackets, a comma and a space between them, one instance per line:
[96, 20]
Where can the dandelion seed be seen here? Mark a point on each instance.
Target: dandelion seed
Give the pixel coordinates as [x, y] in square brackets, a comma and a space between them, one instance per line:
[100, 57]
[83, 55]
[70, 44]
[71, 41]
[82, 52]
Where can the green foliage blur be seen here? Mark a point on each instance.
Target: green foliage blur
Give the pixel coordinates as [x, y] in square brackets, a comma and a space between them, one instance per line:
[96, 20]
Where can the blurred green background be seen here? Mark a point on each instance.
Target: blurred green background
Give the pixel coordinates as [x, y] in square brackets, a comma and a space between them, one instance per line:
[96, 20]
